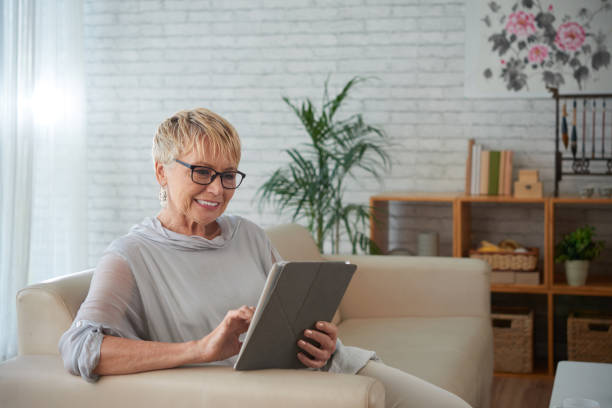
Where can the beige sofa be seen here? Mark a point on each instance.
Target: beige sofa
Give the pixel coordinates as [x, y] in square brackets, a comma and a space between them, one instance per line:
[427, 316]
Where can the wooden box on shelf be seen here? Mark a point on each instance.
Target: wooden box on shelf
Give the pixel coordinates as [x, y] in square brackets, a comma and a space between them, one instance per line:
[515, 277]
[527, 278]
[528, 184]
[513, 339]
[502, 277]
[589, 337]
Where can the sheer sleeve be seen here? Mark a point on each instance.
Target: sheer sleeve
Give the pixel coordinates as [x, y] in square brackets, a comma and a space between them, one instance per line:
[113, 306]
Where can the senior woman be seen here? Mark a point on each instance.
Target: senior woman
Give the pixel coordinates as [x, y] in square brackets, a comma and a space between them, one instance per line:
[179, 287]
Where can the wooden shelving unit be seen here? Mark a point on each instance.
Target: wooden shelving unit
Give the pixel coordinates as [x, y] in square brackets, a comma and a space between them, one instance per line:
[597, 285]
[552, 282]
[540, 370]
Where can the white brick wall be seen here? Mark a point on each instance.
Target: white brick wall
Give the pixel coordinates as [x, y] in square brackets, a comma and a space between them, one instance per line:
[147, 59]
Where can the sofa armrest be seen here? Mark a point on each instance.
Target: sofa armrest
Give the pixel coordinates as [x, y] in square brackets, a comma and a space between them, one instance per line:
[402, 286]
[45, 311]
[36, 381]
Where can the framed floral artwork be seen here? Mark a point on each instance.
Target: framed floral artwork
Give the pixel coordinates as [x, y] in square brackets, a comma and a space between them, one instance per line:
[521, 47]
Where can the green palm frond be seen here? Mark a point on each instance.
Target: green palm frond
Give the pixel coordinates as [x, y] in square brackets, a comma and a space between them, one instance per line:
[332, 105]
[311, 186]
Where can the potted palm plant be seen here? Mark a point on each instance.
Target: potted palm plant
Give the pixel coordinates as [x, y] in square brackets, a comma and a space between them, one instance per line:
[576, 250]
[312, 185]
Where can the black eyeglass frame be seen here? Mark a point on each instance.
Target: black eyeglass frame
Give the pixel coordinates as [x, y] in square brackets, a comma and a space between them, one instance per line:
[215, 173]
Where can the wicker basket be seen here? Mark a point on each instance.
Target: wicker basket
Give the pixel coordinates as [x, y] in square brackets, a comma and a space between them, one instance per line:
[513, 340]
[589, 337]
[509, 261]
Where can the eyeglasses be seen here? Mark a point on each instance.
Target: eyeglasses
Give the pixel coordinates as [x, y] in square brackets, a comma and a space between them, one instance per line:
[205, 175]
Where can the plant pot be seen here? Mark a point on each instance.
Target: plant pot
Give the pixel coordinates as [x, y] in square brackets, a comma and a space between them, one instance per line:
[576, 272]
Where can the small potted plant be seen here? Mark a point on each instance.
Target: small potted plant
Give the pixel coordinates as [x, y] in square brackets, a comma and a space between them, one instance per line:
[576, 250]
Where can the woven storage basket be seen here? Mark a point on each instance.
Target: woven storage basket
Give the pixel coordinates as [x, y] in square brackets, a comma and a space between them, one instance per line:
[513, 339]
[509, 261]
[589, 337]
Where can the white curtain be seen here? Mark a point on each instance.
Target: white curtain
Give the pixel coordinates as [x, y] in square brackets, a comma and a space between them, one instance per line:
[43, 198]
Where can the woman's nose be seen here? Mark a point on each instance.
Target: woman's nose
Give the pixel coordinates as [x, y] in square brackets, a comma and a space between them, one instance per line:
[215, 186]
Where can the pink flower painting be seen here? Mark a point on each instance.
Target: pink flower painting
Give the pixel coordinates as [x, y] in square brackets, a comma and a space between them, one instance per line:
[557, 46]
[521, 24]
[570, 36]
[538, 54]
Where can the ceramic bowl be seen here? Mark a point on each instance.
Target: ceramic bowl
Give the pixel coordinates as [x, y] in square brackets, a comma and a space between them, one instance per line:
[586, 192]
[605, 192]
[579, 403]
[400, 251]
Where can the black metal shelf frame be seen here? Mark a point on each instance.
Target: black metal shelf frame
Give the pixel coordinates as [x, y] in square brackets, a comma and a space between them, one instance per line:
[581, 166]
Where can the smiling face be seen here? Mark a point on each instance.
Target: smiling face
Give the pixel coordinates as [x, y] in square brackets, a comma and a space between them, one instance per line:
[198, 137]
[193, 208]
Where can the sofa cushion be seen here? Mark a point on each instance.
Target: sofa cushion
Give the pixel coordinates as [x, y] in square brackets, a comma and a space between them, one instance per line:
[42, 381]
[446, 351]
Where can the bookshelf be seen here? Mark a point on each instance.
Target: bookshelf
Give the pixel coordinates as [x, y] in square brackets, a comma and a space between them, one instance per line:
[552, 287]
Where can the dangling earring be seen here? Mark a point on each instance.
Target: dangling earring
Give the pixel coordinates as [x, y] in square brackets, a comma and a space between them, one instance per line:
[163, 197]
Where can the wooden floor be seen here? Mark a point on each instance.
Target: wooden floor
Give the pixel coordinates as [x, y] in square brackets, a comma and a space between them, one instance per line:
[510, 392]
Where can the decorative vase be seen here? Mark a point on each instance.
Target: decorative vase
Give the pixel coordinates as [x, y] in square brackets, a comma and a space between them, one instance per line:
[576, 272]
[428, 244]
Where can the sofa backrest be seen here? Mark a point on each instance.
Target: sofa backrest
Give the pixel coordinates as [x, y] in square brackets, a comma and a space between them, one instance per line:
[294, 243]
[416, 286]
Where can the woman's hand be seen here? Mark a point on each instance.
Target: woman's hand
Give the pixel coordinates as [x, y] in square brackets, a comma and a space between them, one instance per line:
[223, 341]
[325, 335]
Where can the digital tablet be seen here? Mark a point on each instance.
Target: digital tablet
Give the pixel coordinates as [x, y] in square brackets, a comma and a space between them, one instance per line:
[296, 296]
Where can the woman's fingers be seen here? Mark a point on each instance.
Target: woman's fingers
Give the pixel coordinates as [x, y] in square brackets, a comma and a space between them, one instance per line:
[246, 312]
[329, 328]
[316, 352]
[325, 336]
[239, 318]
[323, 339]
[223, 341]
[309, 362]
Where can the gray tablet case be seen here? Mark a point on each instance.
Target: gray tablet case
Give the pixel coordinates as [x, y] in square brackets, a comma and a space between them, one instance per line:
[296, 296]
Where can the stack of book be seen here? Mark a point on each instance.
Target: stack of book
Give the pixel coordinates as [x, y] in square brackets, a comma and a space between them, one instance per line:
[488, 172]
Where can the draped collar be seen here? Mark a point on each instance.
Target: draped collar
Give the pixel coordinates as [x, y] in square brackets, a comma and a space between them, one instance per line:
[151, 228]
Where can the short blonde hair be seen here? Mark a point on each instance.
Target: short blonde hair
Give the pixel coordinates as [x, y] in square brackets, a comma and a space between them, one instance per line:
[196, 129]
